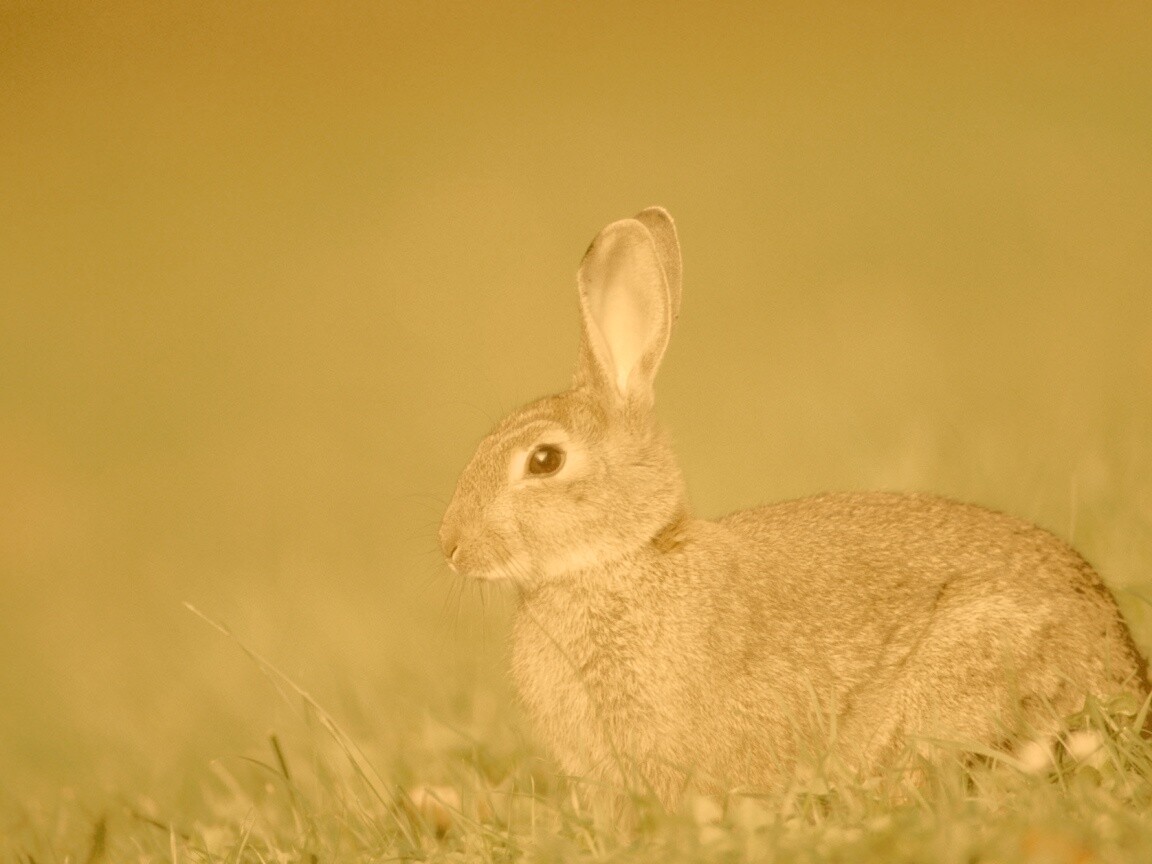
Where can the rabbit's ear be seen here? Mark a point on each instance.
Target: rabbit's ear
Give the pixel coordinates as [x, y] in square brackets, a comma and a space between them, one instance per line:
[663, 231]
[626, 307]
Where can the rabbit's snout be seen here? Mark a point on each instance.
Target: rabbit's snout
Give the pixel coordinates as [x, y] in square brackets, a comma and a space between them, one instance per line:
[462, 538]
[472, 546]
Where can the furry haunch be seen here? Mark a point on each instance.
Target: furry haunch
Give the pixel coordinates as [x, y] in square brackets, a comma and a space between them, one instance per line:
[655, 651]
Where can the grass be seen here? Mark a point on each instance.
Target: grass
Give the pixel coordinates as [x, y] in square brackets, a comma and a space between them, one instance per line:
[319, 804]
[468, 788]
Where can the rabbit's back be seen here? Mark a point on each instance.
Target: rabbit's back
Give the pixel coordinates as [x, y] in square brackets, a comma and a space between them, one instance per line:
[865, 560]
[923, 614]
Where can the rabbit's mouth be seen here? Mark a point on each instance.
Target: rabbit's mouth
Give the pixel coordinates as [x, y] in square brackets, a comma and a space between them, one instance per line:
[502, 570]
[491, 575]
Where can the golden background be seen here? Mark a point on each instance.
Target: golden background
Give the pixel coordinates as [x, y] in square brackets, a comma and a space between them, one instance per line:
[269, 271]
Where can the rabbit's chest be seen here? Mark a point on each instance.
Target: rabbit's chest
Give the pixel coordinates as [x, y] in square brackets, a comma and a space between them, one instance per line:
[589, 677]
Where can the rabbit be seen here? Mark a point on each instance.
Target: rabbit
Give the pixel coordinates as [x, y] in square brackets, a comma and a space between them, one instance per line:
[656, 652]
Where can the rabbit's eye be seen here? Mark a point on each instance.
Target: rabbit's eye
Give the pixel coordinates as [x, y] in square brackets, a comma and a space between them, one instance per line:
[545, 460]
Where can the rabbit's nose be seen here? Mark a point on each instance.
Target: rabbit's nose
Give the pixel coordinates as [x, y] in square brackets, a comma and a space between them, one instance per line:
[450, 544]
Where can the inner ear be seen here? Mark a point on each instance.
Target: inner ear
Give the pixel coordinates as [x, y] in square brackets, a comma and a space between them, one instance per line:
[624, 299]
[622, 315]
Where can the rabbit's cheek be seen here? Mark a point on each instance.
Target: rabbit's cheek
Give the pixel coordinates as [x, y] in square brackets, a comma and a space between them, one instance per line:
[491, 557]
[507, 542]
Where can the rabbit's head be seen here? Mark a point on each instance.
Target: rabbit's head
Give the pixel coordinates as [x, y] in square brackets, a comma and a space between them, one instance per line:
[586, 477]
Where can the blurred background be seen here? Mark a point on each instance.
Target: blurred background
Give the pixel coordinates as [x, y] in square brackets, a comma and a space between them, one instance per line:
[269, 271]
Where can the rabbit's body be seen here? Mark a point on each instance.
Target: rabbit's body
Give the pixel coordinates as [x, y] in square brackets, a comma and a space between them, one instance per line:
[730, 649]
[652, 649]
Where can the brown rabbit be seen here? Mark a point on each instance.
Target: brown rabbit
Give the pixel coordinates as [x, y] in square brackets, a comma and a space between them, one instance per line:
[653, 649]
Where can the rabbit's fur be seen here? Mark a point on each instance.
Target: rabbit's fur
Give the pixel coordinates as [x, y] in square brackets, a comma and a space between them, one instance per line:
[653, 649]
